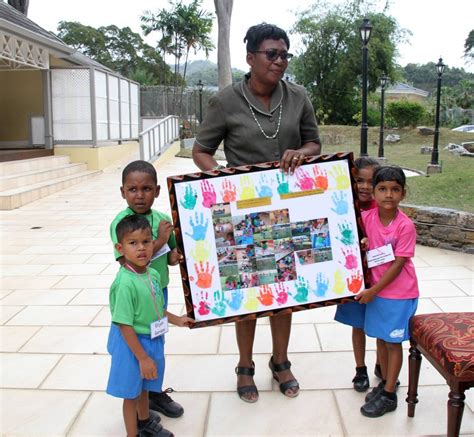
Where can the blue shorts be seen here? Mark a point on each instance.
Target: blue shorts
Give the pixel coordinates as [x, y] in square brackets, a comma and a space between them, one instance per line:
[388, 319]
[352, 314]
[125, 380]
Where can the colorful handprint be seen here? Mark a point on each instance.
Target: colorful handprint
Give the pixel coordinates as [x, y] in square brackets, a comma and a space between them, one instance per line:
[264, 189]
[251, 304]
[350, 259]
[320, 178]
[190, 198]
[338, 287]
[208, 194]
[347, 234]
[229, 192]
[354, 283]
[322, 284]
[248, 188]
[265, 295]
[340, 175]
[281, 293]
[340, 203]
[204, 275]
[303, 180]
[235, 302]
[219, 306]
[198, 226]
[302, 290]
[283, 185]
[203, 306]
[201, 251]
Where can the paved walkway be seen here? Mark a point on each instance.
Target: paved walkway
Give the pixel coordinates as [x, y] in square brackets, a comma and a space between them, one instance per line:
[57, 265]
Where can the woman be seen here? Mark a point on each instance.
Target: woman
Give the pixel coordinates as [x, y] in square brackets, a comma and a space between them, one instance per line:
[261, 119]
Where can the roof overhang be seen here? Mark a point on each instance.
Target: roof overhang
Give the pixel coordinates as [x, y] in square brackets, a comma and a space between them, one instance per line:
[21, 48]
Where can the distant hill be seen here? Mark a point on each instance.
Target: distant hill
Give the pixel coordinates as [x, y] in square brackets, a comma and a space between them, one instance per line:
[207, 72]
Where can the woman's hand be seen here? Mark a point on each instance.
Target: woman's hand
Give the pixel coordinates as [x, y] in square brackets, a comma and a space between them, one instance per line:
[291, 160]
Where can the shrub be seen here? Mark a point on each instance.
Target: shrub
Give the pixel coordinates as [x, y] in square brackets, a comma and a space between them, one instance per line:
[406, 113]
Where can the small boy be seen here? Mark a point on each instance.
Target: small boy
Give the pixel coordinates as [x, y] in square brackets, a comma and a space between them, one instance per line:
[139, 322]
[140, 189]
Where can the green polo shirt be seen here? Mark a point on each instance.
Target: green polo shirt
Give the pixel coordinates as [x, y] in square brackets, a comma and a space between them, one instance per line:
[230, 119]
[154, 217]
[131, 299]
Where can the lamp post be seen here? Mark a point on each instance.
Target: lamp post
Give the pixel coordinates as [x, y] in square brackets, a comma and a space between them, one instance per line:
[365, 31]
[434, 167]
[383, 83]
[200, 86]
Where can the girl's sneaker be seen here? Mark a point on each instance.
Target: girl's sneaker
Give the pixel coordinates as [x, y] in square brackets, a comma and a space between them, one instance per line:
[361, 379]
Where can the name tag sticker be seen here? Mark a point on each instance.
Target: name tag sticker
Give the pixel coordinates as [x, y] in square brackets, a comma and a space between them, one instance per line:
[159, 327]
[162, 251]
[380, 255]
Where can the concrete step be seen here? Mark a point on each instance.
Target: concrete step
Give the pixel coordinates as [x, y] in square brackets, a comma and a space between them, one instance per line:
[14, 154]
[25, 165]
[35, 176]
[14, 198]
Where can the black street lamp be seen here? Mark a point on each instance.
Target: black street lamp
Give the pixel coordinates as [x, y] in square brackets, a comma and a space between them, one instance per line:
[200, 86]
[435, 154]
[365, 31]
[383, 84]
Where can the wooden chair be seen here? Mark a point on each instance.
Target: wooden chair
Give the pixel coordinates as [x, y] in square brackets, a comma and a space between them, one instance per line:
[447, 341]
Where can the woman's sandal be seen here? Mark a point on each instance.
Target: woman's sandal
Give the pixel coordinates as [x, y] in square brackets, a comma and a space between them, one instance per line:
[252, 389]
[284, 386]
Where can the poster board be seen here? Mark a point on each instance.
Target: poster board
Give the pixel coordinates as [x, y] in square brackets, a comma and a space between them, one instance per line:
[257, 242]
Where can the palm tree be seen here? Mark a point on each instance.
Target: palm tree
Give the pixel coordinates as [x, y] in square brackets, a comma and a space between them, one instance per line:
[182, 28]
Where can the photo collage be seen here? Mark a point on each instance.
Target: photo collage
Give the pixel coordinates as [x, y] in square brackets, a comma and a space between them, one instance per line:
[262, 248]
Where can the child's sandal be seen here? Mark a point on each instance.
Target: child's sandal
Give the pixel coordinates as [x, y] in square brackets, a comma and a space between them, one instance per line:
[284, 386]
[247, 389]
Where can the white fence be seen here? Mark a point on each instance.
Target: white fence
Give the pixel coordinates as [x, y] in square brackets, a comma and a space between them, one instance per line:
[90, 106]
[157, 138]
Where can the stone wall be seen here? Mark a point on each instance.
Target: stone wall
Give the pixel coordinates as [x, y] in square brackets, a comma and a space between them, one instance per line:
[443, 228]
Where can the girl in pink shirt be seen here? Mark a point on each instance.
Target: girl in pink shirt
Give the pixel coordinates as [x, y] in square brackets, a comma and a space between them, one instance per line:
[393, 298]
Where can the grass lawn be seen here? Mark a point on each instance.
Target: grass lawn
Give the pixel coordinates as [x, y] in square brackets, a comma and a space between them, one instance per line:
[453, 188]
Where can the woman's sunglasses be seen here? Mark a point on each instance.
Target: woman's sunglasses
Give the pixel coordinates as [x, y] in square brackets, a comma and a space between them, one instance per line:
[273, 54]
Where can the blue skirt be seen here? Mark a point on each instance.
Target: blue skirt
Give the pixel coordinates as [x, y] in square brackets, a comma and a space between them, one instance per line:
[125, 380]
[388, 319]
[352, 314]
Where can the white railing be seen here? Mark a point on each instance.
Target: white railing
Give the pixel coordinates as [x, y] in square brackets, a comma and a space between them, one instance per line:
[157, 138]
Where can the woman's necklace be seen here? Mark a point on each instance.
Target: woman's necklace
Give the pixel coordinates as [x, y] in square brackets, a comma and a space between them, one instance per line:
[268, 137]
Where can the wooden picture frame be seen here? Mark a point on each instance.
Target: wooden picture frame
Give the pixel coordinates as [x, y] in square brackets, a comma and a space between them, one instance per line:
[257, 242]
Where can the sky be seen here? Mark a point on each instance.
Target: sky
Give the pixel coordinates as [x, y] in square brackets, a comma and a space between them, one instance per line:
[439, 29]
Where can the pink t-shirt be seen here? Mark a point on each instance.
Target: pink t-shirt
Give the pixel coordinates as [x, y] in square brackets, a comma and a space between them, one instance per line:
[401, 234]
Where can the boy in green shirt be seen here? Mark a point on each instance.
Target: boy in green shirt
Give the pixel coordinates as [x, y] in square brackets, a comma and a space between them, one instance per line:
[140, 189]
[139, 322]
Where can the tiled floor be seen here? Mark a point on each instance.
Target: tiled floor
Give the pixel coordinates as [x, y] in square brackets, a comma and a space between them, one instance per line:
[54, 323]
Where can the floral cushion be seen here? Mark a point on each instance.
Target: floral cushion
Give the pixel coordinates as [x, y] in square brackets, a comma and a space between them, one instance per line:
[449, 339]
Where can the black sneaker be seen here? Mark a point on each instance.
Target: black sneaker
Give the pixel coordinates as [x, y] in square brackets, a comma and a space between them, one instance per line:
[361, 382]
[153, 428]
[164, 404]
[378, 406]
[375, 391]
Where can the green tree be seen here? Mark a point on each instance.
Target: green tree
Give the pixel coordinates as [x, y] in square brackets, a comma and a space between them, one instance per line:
[469, 47]
[331, 63]
[182, 28]
[119, 49]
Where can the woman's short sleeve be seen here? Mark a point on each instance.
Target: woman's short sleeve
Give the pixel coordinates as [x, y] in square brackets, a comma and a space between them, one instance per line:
[213, 128]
